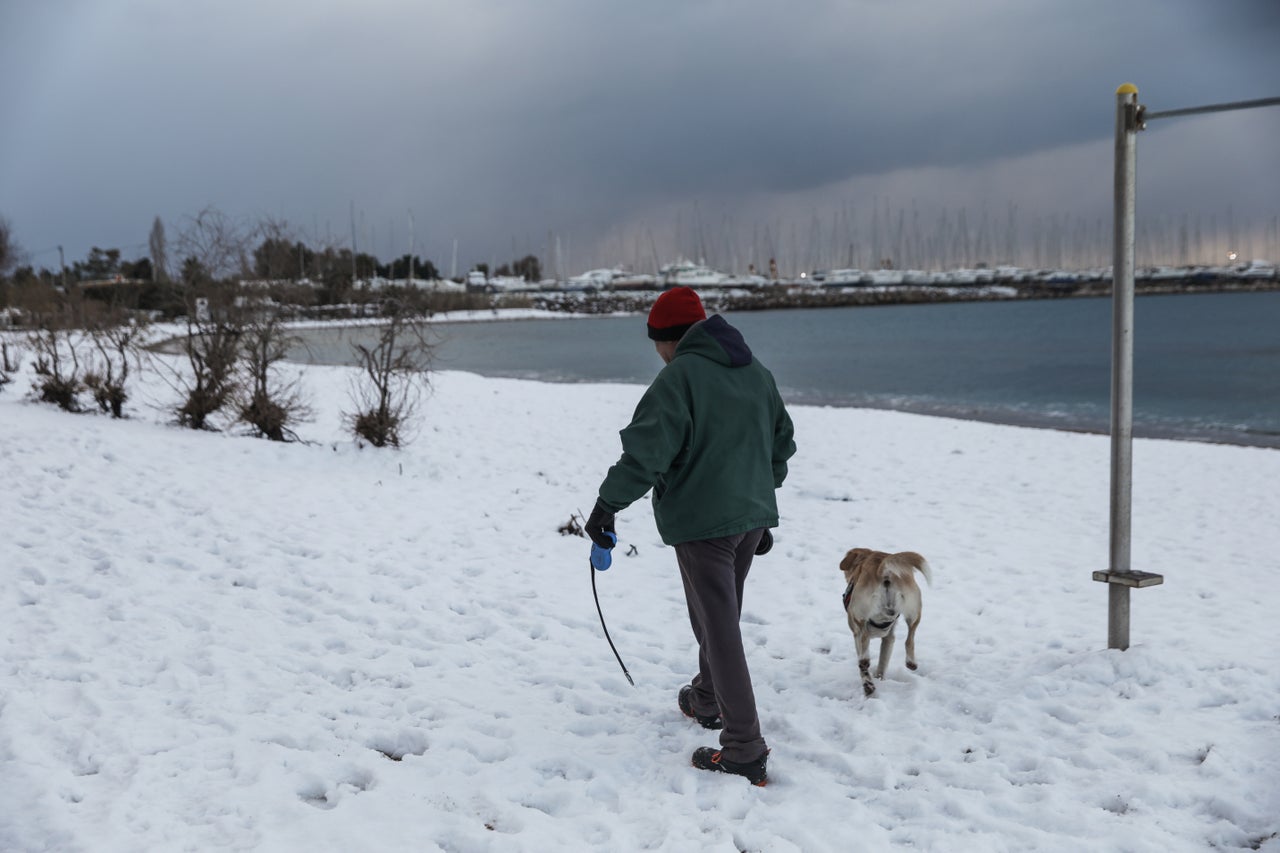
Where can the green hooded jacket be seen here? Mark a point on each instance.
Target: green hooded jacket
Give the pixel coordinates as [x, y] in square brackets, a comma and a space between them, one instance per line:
[710, 436]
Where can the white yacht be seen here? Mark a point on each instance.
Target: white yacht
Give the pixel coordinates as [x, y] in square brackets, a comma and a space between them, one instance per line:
[691, 275]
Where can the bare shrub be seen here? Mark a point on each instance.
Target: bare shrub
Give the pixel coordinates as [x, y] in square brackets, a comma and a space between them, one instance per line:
[572, 527]
[212, 350]
[54, 341]
[115, 344]
[392, 379]
[57, 365]
[267, 404]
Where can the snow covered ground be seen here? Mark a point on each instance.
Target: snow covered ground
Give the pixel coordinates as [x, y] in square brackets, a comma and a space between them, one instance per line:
[209, 641]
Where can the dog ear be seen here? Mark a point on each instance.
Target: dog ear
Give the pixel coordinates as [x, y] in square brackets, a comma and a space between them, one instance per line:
[851, 558]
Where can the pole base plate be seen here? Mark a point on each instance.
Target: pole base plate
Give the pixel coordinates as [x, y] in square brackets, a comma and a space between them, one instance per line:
[1136, 580]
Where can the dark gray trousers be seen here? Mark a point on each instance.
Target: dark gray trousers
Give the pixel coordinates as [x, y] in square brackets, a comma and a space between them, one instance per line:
[714, 572]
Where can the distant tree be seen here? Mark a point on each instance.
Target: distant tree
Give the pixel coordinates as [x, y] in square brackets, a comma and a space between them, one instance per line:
[326, 270]
[195, 273]
[333, 271]
[10, 253]
[100, 265]
[305, 258]
[218, 243]
[366, 265]
[26, 275]
[276, 256]
[139, 270]
[275, 259]
[399, 268]
[24, 287]
[159, 252]
[528, 267]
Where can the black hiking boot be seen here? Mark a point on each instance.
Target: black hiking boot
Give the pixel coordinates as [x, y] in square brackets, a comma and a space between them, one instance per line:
[685, 701]
[708, 758]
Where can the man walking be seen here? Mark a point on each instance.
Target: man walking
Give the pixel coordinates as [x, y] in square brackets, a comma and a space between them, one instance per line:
[711, 437]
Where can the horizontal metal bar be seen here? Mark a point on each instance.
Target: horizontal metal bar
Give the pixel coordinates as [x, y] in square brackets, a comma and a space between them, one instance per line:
[1212, 108]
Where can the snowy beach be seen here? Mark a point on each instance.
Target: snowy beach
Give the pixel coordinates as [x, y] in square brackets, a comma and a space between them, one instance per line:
[209, 641]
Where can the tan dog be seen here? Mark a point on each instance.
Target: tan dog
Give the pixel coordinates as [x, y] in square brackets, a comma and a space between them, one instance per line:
[881, 588]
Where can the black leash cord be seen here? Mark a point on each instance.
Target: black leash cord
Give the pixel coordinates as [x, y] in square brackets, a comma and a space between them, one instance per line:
[605, 627]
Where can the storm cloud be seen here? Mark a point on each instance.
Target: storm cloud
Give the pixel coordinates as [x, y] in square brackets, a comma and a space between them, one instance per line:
[510, 124]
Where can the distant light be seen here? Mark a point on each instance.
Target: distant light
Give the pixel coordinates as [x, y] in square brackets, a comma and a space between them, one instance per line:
[1231, 256]
[804, 275]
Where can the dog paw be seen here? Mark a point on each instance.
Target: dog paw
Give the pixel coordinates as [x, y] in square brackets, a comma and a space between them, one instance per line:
[912, 665]
[868, 688]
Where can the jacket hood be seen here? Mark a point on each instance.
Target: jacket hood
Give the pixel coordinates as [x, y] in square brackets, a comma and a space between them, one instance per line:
[715, 339]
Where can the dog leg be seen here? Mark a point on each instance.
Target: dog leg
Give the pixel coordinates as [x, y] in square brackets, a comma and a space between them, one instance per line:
[863, 644]
[911, 644]
[886, 649]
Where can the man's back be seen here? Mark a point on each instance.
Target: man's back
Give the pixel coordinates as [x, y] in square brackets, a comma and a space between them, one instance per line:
[711, 435]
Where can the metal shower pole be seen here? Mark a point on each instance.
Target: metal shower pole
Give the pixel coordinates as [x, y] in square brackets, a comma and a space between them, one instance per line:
[1122, 273]
[1120, 578]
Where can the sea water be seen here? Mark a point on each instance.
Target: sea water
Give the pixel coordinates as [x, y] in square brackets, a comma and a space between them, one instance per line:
[1206, 366]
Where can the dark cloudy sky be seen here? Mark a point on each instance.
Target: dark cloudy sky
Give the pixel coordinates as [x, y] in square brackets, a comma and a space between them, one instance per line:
[613, 125]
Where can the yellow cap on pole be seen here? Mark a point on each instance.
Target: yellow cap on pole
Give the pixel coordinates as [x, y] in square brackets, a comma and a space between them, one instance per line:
[1127, 89]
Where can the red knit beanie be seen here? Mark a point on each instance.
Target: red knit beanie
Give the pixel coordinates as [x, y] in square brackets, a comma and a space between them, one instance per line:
[673, 313]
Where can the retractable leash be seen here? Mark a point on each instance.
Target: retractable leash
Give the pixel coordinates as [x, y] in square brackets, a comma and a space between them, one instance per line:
[600, 560]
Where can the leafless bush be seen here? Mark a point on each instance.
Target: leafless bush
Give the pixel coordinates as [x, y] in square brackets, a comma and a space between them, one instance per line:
[269, 405]
[393, 377]
[115, 344]
[57, 365]
[212, 350]
[572, 527]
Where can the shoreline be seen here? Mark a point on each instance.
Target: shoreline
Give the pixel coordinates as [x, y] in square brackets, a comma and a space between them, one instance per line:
[1265, 441]
[1027, 420]
[579, 305]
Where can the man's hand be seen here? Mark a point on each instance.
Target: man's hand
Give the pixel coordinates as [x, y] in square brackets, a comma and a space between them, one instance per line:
[766, 543]
[600, 527]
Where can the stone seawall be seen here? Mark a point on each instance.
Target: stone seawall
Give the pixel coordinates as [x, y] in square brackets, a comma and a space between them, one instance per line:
[786, 296]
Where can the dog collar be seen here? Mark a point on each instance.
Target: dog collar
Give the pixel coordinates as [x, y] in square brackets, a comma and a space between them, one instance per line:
[848, 594]
[883, 627]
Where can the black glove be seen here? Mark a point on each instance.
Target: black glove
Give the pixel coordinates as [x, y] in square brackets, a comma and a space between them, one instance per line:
[766, 543]
[600, 523]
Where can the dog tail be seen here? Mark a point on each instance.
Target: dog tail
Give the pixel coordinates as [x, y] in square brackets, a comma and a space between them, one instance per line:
[905, 561]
